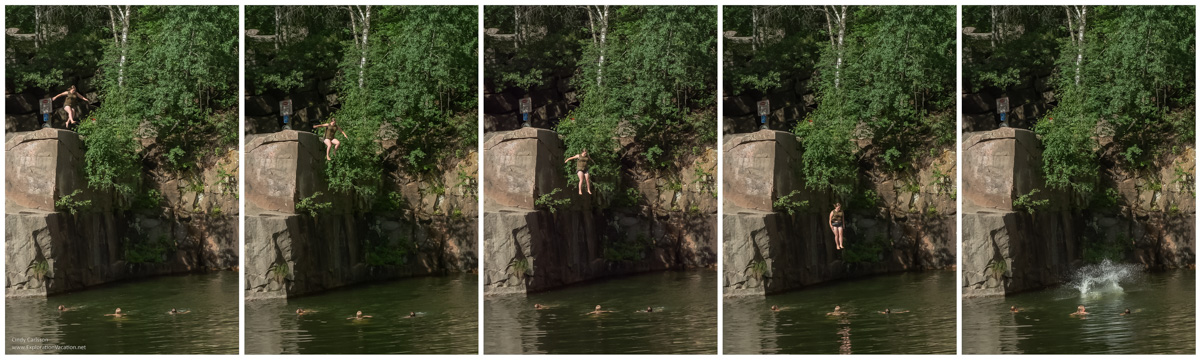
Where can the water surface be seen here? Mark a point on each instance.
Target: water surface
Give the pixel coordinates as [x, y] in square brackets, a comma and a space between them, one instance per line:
[447, 320]
[1163, 319]
[211, 326]
[684, 320]
[802, 326]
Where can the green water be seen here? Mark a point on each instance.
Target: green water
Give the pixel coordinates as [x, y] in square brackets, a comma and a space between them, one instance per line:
[684, 320]
[1163, 319]
[210, 328]
[447, 319]
[802, 326]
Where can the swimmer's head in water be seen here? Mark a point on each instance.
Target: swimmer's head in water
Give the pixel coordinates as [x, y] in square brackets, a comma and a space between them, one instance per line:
[1126, 311]
[299, 311]
[597, 307]
[887, 311]
[173, 310]
[358, 314]
[61, 307]
[649, 309]
[412, 314]
[118, 311]
[775, 307]
[537, 306]
[837, 308]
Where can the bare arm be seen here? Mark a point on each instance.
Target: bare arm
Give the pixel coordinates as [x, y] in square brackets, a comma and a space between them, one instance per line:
[64, 93]
[570, 158]
[84, 99]
[320, 126]
[344, 134]
[831, 219]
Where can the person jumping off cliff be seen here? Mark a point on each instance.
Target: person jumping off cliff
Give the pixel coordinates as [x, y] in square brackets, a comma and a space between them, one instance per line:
[836, 223]
[581, 169]
[69, 104]
[331, 141]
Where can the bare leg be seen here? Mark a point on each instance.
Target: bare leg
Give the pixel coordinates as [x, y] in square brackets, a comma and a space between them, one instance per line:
[588, 178]
[328, 145]
[580, 175]
[837, 233]
[336, 145]
[70, 115]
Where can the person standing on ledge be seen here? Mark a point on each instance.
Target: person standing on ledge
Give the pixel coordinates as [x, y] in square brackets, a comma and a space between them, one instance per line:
[581, 169]
[70, 103]
[836, 223]
[331, 141]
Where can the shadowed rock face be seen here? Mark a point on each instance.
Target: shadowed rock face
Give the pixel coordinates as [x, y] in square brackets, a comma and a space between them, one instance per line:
[767, 250]
[51, 251]
[291, 253]
[531, 249]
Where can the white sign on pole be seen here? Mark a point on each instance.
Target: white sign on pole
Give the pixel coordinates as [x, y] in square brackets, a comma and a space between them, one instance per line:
[47, 105]
[1002, 105]
[285, 108]
[526, 105]
[764, 108]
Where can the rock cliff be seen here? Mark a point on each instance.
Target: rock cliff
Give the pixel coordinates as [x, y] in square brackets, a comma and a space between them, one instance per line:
[1007, 248]
[294, 250]
[767, 250]
[531, 248]
[60, 240]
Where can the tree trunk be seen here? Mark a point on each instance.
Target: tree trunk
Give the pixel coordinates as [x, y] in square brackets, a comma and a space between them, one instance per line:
[995, 30]
[363, 14]
[836, 18]
[120, 37]
[277, 15]
[1077, 15]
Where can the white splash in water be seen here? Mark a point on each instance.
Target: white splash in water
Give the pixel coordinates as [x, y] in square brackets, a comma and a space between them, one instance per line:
[1105, 277]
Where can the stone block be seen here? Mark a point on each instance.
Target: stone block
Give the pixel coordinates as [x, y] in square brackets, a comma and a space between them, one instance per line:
[759, 167]
[42, 166]
[999, 166]
[282, 168]
[521, 165]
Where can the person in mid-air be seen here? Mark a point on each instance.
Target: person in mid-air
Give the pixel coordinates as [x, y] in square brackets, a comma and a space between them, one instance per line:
[359, 316]
[331, 141]
[581, 169]
[70, 103]
[837, 223]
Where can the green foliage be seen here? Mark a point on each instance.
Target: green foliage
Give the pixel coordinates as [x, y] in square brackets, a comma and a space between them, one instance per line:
[550, 202]
[1096, 251]
[998, 268]
[280, 272]
[146, 251]
[867, 199]
[392, 202]
[388, 255]
[791, 202]
[522, 267]
[151, 199]
[1068, 161]
[311, 205]
[39, 269]
[1110, 198]
[758, 268]
[867, 251]
[71, 205]
[627, 250]
[1029, 203]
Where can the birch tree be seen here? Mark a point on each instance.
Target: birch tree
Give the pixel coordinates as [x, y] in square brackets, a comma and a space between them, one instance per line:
[1077, 26]
[119, 20]
[360, 23]
[598, 17]
[835, 20]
